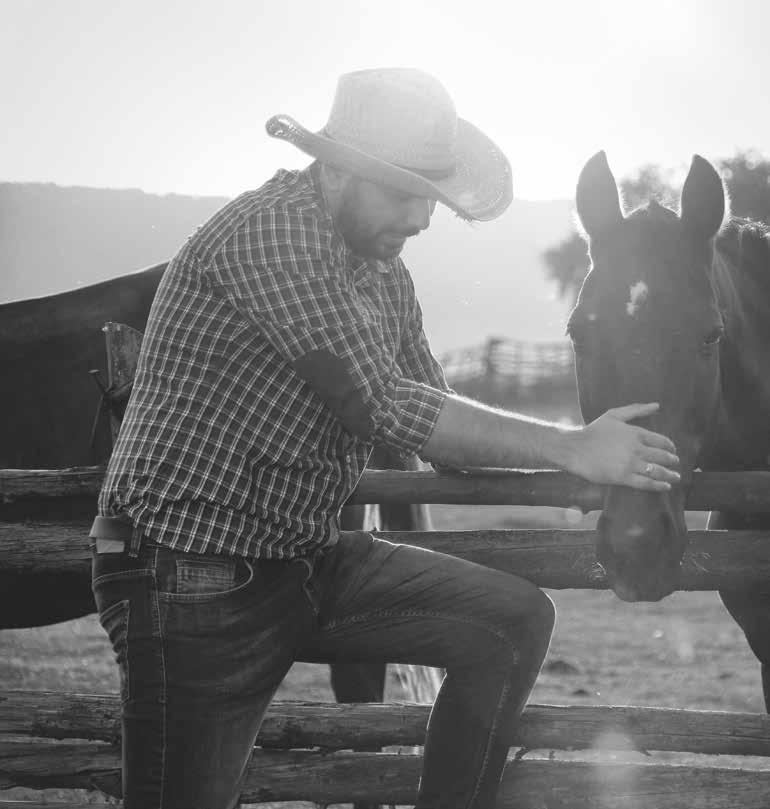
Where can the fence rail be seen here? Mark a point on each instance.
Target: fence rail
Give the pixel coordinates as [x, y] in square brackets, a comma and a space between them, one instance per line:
[31, 491]
[553, 558]
[333, 726]
[344, 777]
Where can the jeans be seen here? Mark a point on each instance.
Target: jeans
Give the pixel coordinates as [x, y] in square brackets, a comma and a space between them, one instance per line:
[202, 643]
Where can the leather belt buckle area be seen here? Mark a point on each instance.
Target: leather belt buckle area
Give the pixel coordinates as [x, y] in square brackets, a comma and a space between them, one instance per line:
[110, 546]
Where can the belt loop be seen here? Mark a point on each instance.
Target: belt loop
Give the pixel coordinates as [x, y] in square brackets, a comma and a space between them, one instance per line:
[136, 542]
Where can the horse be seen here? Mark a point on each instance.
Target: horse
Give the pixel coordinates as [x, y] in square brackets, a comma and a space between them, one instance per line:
[675, 308]
[48, 346]
[50, 417]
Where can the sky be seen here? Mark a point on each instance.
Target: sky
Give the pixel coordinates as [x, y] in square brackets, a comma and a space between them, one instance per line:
[172, 95]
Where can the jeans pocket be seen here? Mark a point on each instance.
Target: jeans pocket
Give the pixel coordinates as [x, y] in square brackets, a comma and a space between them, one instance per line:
[200, 578]
[114, 620]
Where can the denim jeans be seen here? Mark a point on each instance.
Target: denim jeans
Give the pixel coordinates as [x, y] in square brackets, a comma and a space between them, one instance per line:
[202, 643]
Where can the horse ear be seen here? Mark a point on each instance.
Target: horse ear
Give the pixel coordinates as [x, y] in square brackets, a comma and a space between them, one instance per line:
[596, 196]
[703, 199]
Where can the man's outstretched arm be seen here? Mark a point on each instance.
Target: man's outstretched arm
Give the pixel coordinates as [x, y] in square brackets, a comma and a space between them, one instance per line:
[609, 450]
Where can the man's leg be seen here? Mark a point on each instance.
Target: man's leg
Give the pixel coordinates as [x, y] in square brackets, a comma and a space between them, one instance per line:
[358, 682]
[201, 642]
[489, 630]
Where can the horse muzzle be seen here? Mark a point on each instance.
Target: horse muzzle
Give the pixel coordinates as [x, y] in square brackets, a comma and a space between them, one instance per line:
[641, 537]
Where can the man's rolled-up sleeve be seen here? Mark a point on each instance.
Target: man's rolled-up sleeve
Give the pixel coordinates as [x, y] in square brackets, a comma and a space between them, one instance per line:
[312, 318]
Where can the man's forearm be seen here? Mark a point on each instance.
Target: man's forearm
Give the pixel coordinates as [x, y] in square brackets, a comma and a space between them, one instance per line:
[470, 434]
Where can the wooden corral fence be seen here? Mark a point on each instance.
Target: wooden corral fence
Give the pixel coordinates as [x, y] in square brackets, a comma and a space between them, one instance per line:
[305, 749]
[515, 373]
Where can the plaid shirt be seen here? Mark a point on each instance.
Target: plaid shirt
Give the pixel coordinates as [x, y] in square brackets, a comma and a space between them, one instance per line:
[224, 448]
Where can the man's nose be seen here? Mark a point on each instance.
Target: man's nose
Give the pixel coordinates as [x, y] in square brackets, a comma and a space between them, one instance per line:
[418, 212]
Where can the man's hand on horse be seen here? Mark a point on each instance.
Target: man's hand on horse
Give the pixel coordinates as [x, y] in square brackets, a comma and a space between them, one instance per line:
[609, 450]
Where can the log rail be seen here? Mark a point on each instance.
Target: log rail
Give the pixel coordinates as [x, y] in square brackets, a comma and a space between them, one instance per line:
[748, 492]
[333, 726]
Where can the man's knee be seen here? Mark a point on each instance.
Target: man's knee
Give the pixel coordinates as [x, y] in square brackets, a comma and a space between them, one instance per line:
[533, 608]
[529, 622]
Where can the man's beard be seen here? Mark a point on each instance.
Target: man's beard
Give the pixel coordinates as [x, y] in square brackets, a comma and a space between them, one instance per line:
[360, 237]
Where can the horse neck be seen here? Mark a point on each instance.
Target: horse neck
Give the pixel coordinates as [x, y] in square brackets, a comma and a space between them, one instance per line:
[742, 280]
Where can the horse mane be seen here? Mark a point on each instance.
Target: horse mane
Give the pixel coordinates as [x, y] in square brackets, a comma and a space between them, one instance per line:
[745, 242]
[742, 277]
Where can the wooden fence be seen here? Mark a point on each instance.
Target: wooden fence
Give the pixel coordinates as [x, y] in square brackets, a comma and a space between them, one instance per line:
[516, 373]
[304, 749]
[529, 362]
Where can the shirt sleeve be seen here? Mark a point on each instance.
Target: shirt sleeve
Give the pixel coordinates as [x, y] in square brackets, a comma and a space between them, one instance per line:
[308, 311]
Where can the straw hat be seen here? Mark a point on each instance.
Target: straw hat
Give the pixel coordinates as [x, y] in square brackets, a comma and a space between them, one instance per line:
[398, 127]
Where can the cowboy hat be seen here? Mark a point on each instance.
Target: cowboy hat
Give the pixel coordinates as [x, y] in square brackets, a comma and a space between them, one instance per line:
[398, 127]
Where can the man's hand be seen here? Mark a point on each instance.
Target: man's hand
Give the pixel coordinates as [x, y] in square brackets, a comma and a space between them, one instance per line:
[609, 450]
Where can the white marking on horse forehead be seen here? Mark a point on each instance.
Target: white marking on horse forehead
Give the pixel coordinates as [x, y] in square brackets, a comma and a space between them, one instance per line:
[637, 295]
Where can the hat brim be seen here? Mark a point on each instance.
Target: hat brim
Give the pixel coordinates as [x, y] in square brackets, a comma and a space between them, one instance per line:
[480, 186]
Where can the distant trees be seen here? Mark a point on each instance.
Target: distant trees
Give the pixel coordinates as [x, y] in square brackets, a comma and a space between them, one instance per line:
[746, 175]
[567, 264]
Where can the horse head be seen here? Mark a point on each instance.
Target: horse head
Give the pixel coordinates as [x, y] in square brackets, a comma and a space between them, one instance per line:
[647, 327]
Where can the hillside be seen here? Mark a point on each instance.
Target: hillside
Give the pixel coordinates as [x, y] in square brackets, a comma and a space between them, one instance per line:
[487, 279]
[54, 238]
[473, 280]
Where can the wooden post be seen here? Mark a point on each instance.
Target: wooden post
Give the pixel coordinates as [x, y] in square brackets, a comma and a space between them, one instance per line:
[123, 344]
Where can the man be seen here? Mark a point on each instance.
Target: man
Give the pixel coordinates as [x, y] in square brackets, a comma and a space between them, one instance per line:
[284, 341]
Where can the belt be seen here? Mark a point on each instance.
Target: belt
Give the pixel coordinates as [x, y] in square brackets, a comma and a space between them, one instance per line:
[112, 534]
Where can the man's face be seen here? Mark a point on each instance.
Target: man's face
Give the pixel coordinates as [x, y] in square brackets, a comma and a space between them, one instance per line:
[376, 221]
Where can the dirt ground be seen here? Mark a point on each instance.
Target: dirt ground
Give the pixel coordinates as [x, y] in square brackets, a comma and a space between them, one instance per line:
[683, 652]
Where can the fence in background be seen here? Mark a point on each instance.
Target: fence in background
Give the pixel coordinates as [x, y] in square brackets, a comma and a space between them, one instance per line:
[515, 373]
